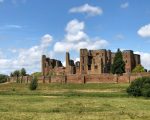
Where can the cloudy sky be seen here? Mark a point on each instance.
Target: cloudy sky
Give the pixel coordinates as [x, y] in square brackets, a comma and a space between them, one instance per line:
[30, 28]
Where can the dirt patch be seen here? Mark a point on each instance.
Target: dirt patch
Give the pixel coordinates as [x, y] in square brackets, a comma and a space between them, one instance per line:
[4, 83]
[50, 96]
[91, 91]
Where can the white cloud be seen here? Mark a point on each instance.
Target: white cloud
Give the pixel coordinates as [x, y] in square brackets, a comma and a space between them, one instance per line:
[74, 31]
[46, 40]
[88, 9]
[62, 46]
[145, 57]
[64, 63]
[144, 31]
[124, 5]
[77, 59]
[76, 38]
[27, 58]
[13, 50]
[74, 26]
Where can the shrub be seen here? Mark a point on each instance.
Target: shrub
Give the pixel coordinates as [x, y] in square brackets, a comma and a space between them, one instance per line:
[13, 89]
[3, 78]
[33, 84]
[138, 69]
[140, 87]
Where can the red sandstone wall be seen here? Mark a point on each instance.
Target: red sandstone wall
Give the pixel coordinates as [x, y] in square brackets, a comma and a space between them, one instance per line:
[102, 78]
[75, 79]
[93, 78]
[124, 78]
[57, 79]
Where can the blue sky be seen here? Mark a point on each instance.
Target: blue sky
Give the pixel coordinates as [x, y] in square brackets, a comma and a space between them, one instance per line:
[30, 28]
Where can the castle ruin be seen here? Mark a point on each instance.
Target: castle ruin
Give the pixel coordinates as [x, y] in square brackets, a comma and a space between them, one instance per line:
[91, 62]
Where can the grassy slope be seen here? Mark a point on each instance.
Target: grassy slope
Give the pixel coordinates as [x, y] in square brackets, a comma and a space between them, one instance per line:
[71, 102]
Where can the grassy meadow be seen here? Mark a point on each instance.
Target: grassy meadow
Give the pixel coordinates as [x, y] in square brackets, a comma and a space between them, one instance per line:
[71, 102]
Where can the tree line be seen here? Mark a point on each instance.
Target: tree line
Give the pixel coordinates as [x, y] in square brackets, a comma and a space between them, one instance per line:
[19, 73]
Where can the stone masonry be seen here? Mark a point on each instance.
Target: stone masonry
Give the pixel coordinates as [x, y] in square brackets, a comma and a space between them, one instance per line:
[91, 62]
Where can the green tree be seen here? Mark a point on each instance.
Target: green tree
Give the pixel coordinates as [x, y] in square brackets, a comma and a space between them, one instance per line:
[138, 68]
[11, 74]
[33, 84]
[118, 66]
[22, 73]
[3, 78]
[17, 74]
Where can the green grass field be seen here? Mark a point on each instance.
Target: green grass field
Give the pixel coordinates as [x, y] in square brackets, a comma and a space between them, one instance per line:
[71, 102]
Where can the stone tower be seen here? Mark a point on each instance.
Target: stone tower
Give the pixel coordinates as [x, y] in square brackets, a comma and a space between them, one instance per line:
[67, 63]
[43, 64]
[137, 59]
[67, 59]
[70, 66]
[83, 61]
[128, 57]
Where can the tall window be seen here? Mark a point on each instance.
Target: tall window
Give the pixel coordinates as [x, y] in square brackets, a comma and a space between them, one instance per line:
[82, 59]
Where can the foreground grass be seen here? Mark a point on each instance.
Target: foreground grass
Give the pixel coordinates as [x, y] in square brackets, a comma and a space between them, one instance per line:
[71, 102]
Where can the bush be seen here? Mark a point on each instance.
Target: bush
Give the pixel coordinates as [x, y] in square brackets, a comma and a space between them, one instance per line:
[140, 87]
[138, 69]
[3, 78]
[33, 84]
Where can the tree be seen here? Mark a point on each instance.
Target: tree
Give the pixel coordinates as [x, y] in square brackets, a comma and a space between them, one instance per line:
[140, 87]
[17, 74]
[22, 73]
[138, 68]
[3, 78]
[11, 74]
[118, 66]
[33, 84]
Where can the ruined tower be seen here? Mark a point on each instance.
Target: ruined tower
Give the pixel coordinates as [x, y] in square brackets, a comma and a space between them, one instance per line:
[128, 57]
[70, 66]
[43, 64]
[83, 61]
[67, 59]
[67, 63]
[137, 59]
